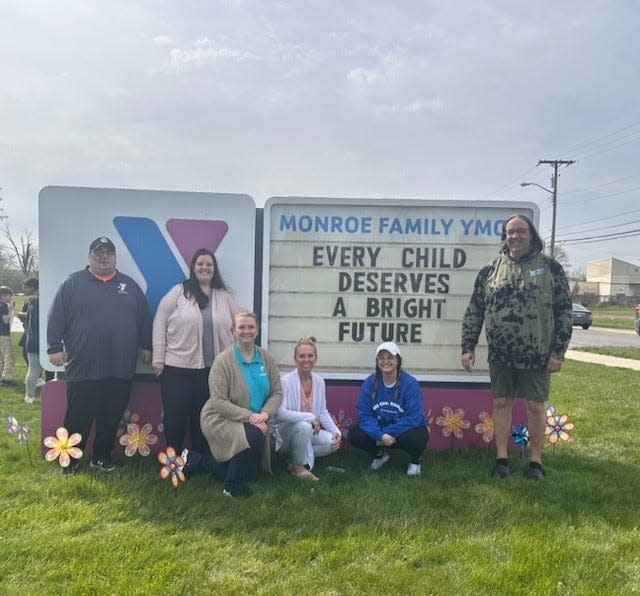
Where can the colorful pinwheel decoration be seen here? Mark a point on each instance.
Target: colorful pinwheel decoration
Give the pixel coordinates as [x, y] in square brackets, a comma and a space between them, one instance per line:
[63, 447]
[520, 435]
[172, 465]
[558, 427]
[20, 432]
[452, 423]
[127, 418]
[485, 427]
[137, 440]
[343, 423]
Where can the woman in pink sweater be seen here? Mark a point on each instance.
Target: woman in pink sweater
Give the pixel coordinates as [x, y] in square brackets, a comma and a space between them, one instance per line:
[191, 327]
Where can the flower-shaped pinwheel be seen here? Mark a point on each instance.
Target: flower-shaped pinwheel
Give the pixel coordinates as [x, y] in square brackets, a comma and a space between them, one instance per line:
[520, 435]
[138, 439]
[343, 423]
[21, 431]
[452, 422]
[172, 465]
[127, 418]
[485, 427]
[557, 427]
[63, 447]
[551, 410]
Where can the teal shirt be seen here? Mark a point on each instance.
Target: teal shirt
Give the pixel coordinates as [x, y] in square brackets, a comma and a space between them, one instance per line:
[256, 378]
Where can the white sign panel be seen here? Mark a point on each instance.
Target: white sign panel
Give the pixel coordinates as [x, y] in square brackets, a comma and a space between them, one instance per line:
[155, 234]
[356, 272]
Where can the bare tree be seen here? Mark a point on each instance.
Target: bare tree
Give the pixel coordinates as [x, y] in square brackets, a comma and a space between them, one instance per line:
[560, 255]
[22, 250]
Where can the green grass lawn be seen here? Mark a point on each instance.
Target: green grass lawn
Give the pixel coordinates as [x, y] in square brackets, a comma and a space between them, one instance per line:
[453, 530]
[618, 351]
[612, 316]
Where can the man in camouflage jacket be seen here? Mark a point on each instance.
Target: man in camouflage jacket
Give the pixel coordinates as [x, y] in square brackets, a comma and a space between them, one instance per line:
[523, 300]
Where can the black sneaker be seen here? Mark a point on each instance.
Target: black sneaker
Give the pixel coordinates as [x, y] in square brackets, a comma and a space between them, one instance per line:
[501, 471]
[106, 465]
[71, 469]
[534, 473]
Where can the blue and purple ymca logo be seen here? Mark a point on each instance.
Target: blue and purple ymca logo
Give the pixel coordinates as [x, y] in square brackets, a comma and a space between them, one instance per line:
[149, 249]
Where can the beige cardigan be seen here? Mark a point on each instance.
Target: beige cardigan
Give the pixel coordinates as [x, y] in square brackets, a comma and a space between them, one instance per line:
[227, 408]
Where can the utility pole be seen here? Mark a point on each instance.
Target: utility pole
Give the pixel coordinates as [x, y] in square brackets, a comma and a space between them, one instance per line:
[554, 195]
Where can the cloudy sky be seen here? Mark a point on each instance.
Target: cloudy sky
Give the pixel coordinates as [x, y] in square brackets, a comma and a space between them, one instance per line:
[350, 98]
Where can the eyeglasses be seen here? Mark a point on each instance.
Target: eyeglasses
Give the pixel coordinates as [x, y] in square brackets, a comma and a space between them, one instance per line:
[103, 252]
[307, 340]
[518, 232]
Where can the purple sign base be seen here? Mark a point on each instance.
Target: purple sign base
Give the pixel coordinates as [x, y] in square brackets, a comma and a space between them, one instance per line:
[448, 409]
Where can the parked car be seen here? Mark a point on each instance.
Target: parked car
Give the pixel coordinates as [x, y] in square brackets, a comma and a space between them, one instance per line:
[581, 316]
[637, 322]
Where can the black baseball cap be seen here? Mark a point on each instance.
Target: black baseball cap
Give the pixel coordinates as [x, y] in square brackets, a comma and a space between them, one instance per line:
[100, 242]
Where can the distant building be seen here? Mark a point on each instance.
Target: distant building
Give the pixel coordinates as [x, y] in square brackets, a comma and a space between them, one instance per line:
[610, 280]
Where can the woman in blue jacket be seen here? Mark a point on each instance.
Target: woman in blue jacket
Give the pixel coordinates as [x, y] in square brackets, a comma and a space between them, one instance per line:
[390, 414]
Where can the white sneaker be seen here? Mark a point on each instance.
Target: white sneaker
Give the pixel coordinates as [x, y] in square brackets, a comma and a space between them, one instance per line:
[414, 470]
[29, 400]
[378, 462]
[185, 457]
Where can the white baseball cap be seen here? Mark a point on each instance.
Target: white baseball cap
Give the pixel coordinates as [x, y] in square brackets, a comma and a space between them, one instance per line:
[390, 347]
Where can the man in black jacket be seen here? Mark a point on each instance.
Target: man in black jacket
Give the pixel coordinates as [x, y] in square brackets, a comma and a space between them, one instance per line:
[98, 324]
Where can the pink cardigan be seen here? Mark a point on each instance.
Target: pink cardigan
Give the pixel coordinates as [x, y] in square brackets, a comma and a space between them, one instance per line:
[177, 327]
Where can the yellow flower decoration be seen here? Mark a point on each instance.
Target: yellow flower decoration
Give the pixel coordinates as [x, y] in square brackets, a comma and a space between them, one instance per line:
[138, 439]
[452, 422]
[485, 427]
[63, 447]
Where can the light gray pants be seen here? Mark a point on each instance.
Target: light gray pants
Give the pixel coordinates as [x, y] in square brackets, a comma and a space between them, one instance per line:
[33, 374]
[295, 439]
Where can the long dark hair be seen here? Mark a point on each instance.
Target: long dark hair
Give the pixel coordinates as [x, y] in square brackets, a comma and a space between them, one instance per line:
[537, 244]
[191, 285]
[378, 378]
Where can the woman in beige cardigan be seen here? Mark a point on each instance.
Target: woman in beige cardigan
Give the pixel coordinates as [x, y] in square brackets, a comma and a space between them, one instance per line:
[245, 392]
[191, 327]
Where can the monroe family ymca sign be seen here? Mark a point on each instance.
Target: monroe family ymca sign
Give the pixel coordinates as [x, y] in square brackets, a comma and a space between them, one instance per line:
[350, 272]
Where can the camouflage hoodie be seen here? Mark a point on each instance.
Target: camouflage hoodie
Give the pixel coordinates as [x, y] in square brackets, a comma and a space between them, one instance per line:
[526, 308]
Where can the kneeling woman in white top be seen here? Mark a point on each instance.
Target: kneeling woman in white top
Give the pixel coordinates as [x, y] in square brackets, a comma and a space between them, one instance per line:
[303, 426]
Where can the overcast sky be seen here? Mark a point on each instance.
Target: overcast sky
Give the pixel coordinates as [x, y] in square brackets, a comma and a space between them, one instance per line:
[410, 99]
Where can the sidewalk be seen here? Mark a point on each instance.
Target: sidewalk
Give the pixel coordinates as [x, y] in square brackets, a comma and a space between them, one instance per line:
[602, 359]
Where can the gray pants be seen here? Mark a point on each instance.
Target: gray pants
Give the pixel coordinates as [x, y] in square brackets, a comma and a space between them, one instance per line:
[295, 440]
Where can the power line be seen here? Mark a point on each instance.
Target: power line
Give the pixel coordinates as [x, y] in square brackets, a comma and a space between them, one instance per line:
[603, 238]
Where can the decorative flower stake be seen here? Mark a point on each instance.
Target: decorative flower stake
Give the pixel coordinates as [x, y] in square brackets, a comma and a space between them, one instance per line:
[452, 423]
[557, 427]
[485, 427]
[63, 447]
[343, 423]
[520, 435]
[138, 440]
[127, 418]
[21, 432]
[172, 465]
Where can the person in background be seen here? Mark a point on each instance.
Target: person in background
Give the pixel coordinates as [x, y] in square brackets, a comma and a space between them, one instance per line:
[31, 320]
[192, 325]
[7, 356]
[523, 300]
[390, 413]
[99, 322]
[303, 427]
[246, 393]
